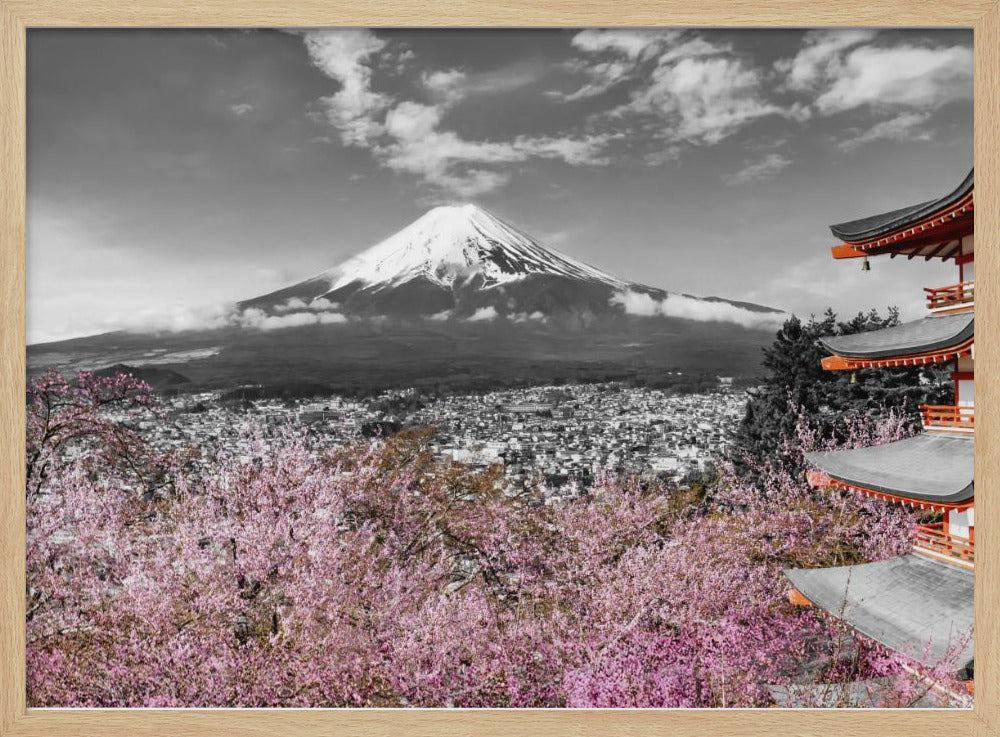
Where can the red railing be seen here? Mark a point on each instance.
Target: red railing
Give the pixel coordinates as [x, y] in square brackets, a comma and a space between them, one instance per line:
[948, 417]
[935, 539]
[954, 295]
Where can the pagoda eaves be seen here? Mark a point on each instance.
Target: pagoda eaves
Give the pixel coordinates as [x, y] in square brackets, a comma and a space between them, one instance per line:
[899, 603]
[931, 469]
[931, 339]
[932, 229]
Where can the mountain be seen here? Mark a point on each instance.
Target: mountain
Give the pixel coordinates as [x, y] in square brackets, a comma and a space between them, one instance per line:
[159, 378]
[457, 299]
[461, 261]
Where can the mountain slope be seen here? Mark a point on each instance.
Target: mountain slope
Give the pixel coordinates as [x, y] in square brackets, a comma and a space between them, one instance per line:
[457, 298]
[457, 261]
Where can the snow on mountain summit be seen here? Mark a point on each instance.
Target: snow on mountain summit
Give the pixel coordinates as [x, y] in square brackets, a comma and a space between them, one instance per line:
[451, 243]
[462, 262]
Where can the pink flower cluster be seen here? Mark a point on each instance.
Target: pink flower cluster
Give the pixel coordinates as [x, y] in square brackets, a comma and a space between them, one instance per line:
[375, 576]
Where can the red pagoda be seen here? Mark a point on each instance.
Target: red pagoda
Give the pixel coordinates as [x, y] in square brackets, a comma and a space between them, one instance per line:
[924, 599]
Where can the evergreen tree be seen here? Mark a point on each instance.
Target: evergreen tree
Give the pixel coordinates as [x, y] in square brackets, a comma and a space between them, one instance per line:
[797, 387]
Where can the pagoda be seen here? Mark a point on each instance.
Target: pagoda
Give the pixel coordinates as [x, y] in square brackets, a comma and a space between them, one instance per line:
[924, 599]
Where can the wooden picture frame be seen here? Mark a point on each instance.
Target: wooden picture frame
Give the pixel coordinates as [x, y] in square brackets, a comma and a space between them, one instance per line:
[18, 15]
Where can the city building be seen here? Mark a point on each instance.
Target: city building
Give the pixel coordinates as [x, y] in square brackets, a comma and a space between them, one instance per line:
[555, 440]
[920, 604]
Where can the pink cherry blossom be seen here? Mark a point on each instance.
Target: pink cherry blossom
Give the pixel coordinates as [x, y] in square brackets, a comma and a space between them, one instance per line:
[375, 576]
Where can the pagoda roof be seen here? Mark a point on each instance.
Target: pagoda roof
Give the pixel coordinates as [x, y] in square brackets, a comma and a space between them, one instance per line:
[853, 695]
[930, 467]
[929, 335]
[911, 604]
[887, 222]
[931, 229]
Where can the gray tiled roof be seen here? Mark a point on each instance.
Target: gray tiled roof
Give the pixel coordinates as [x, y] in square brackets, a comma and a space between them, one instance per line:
[928, 334]
[907, 603]
[930, 467]
[886, 222]
[856, 694]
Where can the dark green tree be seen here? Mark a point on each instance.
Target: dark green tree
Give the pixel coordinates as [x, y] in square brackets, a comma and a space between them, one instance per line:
[796, 387]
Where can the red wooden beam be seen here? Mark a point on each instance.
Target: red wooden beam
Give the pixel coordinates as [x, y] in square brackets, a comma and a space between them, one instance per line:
[846, 251]
[843, 363]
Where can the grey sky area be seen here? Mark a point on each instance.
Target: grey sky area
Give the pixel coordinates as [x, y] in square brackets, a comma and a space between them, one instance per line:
[172, 171]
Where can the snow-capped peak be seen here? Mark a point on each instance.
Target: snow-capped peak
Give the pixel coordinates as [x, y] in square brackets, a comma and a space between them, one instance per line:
[449, 244]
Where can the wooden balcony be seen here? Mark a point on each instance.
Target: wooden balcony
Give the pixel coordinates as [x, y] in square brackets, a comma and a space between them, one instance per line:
[935, 542]
[948, 418]
[953, 298]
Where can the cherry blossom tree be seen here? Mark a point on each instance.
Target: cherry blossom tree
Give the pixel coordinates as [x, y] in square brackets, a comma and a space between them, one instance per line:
[377, 576]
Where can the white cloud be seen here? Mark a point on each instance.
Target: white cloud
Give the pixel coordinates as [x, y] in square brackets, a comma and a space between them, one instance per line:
[327, 318]
[297, 319]
[440, 316]
[659, 157]
[241, 109]
[603, 76]
[292, 305]
[691, 48]
[295, 304]
[525, 317]
[406, 137]
[250, 318]
[483, 313]
[445, 86]
[700, 92]
[173, 320]
[323, 304]
[259, 320]
[689, 308]
[451, 163]
[766, 168]
[693, 89]
[631, 43]
[629, 50]
[849, 70]
[576, 151]
[686, 89]
[293, 313]
[449, 86]
[412, 121]
[845, 69]
[820, 56]
[637, 303]
[906, 76]
[677, 305]
[343, 55]
[214, 317]
[904, 127]
[395, 58]
[706, 99]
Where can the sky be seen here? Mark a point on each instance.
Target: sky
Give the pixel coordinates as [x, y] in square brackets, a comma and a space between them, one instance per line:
[173, 172]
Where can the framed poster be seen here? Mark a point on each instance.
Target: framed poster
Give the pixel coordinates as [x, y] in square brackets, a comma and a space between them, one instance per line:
[549, 369]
